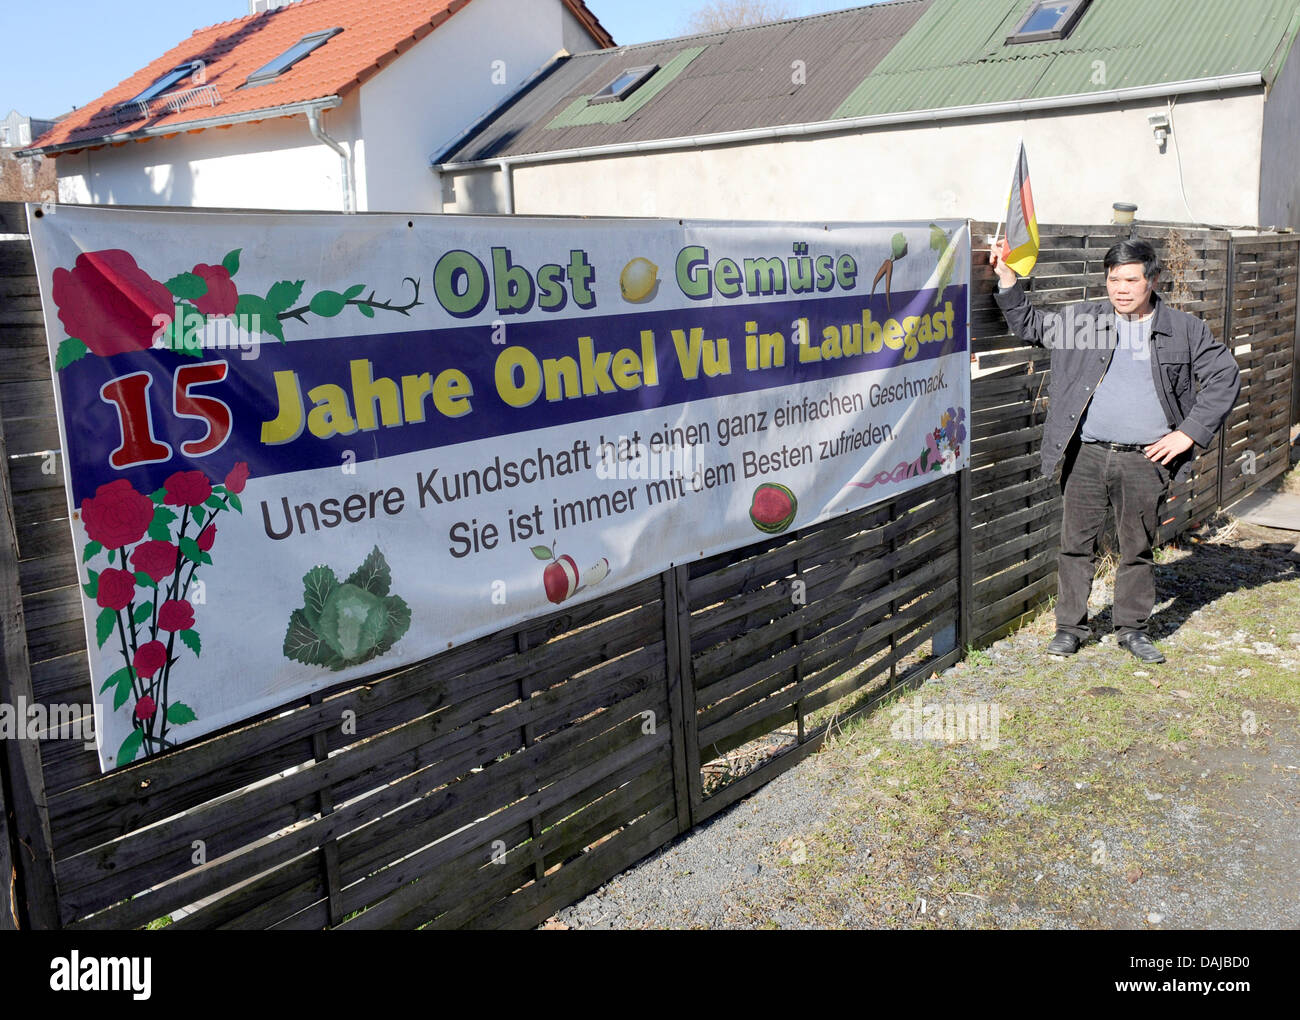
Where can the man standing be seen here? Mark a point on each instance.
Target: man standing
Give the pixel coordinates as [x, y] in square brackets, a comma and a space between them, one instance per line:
[1122, 420]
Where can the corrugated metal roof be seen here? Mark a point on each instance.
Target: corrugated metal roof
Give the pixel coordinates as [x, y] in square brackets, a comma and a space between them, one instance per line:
[892, 58]
[957, 54]
[743, 78]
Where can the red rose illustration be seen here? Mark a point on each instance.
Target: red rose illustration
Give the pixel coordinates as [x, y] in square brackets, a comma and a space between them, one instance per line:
[149, 658]
[237, 478]
[157, 559]
[187, 488]
[109, 303]
[176, 614]
[116, 589]
[145, 708]
[221, 297]
[206, 537]
[117, 515]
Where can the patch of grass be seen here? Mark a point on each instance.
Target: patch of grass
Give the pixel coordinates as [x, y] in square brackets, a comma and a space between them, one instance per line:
[978, 656]
[974, 828]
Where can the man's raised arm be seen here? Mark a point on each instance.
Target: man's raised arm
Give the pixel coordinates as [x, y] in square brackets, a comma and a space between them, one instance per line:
[1025, 320]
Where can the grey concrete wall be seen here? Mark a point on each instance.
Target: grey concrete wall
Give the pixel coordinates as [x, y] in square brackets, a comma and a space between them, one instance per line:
[1279, 171]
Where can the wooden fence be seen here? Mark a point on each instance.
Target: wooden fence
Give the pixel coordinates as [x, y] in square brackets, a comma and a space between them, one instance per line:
[495, 783]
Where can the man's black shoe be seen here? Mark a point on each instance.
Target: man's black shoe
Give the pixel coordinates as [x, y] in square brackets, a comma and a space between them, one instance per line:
[1064, 643]
[1140, 645]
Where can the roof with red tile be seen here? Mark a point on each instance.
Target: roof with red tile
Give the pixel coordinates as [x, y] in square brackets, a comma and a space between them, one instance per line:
[374, 34]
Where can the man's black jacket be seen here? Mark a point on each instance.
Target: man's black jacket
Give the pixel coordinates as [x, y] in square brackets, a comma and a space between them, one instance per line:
[1082, 341]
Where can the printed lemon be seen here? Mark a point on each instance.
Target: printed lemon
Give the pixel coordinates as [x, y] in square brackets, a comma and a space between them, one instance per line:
[638, 279]
[774, 508]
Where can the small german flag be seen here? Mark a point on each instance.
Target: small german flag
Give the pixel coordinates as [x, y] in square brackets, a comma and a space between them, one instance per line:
[1020, 242]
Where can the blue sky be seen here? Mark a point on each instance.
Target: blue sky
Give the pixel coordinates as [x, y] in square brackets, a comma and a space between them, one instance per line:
[65, 53]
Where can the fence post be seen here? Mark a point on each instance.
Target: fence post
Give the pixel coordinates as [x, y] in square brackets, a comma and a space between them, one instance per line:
[965, 561]
[681, 702]
[8, 876]
[329, 850]
[34, 887]
[1230, 284]
[1295, 359]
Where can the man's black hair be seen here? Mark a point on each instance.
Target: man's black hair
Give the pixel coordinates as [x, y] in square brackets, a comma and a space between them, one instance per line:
[1133, 251]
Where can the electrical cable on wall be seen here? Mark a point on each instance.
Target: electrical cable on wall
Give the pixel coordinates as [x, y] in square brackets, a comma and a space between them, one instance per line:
[1182, 187]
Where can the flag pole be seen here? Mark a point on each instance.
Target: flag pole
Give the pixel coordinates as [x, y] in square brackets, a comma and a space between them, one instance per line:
[1015, 168]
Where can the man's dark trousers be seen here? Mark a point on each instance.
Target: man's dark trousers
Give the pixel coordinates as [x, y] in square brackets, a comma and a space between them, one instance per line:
[1135, 487]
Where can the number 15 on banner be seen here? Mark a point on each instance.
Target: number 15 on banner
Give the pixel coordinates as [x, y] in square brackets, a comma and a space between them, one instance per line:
[129, 395]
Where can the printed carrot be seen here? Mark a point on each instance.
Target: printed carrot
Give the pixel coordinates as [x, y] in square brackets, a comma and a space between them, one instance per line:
[886, 270]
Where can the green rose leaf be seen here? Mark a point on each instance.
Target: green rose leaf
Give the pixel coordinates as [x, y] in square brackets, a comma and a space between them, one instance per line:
[899, 247]
[373, 575]
[70, 350]
[367, 311]
[543, 553]
[91, 587]
[104, 625]
[160, 529]
[318, 583]
[197, 515]
[192, 642]
[188, 286]
[142, 612]
[205, 558]
[268, 319]
[130, 747]
[327, 304]
[123, 675]
[180, 713]
[158, 495]
[216, 502]
[234, 501]
[284, 295]
[353, 291]
[190, 550]
[112, 556]
[122, 681]
[231, 261]
[143, 579]
[92, 550]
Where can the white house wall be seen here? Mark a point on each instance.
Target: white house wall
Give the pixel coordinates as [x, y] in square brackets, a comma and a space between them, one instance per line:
[275, 164]
[1081, 162]
[446, 83]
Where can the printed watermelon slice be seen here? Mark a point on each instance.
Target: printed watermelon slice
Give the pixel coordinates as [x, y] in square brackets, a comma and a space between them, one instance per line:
[774, 508]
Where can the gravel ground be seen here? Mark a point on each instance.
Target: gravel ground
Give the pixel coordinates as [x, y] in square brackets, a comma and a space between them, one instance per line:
[1115, 795]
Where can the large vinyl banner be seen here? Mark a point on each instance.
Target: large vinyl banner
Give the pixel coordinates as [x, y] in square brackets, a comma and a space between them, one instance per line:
[305, 449]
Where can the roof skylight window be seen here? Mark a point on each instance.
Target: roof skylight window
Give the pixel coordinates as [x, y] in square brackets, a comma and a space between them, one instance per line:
[1048, 19]
[627, 82]
[291, 56]
[173, 77]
